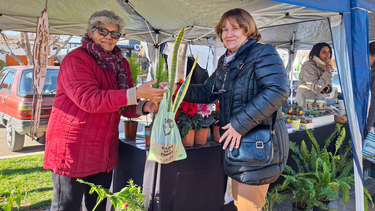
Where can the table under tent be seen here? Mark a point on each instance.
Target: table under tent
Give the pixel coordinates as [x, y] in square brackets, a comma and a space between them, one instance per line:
[348, 25]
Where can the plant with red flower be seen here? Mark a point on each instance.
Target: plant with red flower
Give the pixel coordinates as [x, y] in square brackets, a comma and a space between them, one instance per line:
[203, 117]
[184, 117]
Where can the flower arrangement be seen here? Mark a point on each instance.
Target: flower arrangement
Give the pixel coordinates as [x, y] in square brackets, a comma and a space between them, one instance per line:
[292, 109]
[203, 117]
[184, 117]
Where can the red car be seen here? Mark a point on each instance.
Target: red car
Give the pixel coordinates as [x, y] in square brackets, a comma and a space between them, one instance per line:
[16, 93]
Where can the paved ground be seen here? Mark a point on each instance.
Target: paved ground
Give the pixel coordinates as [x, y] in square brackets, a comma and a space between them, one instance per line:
[30, 147]
[33, 147]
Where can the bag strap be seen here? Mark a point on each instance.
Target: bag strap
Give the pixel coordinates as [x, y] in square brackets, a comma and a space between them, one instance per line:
[274, 115]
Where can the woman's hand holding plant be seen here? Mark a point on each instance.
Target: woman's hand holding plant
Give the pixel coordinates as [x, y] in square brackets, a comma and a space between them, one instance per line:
[147, 92]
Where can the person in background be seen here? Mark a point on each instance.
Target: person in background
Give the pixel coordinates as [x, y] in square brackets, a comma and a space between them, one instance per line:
[94, 88]
[254, 71]
[315, 79]
[371, 113]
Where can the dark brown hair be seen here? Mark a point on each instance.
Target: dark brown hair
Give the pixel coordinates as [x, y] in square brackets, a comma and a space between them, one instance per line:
[315, 51]
[244, 21]
[372, 48]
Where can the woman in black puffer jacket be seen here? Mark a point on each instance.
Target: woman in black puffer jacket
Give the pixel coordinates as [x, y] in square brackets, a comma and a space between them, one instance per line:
[251, 85]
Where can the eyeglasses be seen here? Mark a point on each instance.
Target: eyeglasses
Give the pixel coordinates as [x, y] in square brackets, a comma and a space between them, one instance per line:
[222, 90]
[104, 32]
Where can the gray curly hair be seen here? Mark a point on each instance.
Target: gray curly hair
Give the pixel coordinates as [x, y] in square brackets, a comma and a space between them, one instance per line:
[105, 17]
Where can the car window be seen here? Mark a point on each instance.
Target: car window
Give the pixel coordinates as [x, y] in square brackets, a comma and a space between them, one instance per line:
[6, 85]
[3, 73]
[50, 85]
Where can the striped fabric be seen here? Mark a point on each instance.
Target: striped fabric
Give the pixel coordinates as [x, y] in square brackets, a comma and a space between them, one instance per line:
[369, 146]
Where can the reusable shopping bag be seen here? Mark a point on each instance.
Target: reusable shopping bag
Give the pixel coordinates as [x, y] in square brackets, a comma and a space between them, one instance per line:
[166, 145]
[369, 146]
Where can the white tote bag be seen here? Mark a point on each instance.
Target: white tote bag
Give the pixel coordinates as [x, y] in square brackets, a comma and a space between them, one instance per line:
[369, 146]
[228, 197]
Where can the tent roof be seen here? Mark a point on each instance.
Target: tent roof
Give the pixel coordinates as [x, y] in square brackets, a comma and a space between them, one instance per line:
[146, 18]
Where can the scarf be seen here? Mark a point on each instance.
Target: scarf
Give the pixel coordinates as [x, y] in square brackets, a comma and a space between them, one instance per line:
[229, 56]
[320, 62]
[108, 60]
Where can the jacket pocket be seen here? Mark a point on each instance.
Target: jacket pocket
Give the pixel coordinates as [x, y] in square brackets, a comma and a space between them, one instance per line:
[71, 128]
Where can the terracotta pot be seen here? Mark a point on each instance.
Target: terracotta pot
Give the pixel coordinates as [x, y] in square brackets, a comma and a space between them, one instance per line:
[216, 130]
[188, 140]
[201, 136]
[130, 129]
[147, 135]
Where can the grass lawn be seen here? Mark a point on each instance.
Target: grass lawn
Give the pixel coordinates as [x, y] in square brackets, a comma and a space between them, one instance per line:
[37, 188]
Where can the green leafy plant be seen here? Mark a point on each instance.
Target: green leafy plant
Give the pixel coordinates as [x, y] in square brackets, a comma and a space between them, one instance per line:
[321, 175]
[2, 64]
[161, 75]
[272, 197]
[135, 68]
[15, 195]
[129, 198]
[161, 72]
[301, 187]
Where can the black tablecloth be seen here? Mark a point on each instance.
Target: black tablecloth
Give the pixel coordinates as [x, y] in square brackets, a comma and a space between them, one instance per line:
[196, 183]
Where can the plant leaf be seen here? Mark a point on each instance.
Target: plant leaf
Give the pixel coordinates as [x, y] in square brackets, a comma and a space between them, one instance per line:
[172, 78]
[182, 91]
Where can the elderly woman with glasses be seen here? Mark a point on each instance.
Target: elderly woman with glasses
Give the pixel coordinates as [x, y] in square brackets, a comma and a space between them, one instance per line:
[94, 88]
[251, 84]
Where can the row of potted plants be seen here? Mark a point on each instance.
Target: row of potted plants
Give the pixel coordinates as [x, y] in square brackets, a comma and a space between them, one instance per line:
[321, 176]
[193, 121]
[294, 115]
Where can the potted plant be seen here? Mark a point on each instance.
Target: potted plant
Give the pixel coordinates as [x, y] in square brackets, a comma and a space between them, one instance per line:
[296, 122]
[202, 120]
[288, 122]
[131, 126]
[216, 126]
[184, 120]
[301, 189]
[135, 68]
[321, 174]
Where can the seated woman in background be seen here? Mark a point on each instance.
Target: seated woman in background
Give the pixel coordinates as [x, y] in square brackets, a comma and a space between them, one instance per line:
[315, 79]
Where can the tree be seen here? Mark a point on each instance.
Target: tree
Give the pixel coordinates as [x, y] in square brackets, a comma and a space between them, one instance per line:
[27, 39]
[10, 52]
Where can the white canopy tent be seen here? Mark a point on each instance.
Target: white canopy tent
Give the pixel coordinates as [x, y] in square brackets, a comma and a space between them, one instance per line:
[156, 22]
[283, 25]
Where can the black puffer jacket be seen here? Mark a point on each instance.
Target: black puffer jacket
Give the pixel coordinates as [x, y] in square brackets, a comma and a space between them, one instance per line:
[256, 86]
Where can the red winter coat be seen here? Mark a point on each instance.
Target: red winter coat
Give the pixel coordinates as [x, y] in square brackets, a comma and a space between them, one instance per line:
[82, 132]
